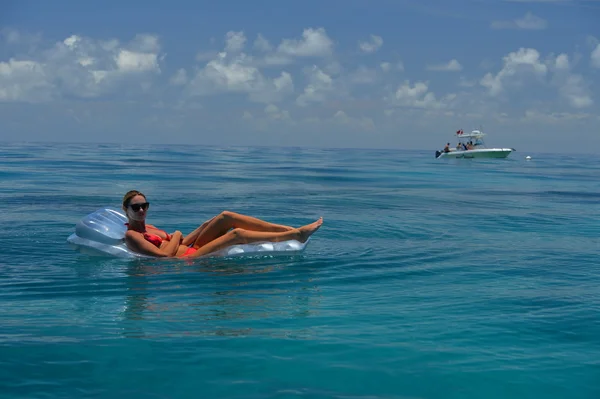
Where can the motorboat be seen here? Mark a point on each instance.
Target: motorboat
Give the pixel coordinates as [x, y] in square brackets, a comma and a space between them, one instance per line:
[471, 145]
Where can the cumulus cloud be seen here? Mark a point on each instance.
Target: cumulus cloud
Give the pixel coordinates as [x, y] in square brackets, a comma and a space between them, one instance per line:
[527, 22]
[237, 75]
[319, 86]
[372, 45]
[262, 44]
[235, 42]
[81, 67]
[24, 81]
[233, 71]
[314, 43]
[417, 96]
[519, 65]
[571, 87]
[574, 90]
[516, 64]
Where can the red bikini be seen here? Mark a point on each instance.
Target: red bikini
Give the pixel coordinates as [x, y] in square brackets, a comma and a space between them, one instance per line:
[157, 240]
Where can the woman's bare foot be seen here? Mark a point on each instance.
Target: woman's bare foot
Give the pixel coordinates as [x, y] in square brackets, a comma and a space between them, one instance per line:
[309, 229]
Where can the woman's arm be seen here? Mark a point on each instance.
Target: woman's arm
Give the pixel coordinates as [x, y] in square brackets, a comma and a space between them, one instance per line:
[137, 243]
[173, 245]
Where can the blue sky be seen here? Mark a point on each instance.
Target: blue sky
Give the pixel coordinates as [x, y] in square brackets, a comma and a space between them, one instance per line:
[331, 73]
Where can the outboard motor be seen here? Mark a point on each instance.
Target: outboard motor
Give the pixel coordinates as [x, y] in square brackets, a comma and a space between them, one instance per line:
[438, 153]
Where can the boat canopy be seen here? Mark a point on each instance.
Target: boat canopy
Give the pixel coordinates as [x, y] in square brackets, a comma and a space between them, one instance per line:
[476, 134]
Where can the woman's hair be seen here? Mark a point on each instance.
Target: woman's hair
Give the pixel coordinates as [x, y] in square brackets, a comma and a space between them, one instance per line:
[130, 194]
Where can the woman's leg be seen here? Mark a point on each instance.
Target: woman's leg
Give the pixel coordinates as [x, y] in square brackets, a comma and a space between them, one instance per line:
[241, 236]
[225, 221]
[191, 238]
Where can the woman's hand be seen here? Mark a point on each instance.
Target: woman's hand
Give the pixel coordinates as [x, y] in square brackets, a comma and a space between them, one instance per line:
[173, 236]
[176, 239]
[177, 236]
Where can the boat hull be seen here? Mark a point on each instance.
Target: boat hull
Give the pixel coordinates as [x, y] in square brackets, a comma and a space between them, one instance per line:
[481, 153]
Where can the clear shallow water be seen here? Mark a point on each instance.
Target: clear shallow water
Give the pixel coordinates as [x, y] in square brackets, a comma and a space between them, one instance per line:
[429, 278]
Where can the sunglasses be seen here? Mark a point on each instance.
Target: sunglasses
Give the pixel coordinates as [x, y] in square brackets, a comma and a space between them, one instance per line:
[137, 207]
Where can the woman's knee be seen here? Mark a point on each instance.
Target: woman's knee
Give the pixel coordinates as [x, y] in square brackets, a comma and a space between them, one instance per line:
[237, 235]
[227, 215]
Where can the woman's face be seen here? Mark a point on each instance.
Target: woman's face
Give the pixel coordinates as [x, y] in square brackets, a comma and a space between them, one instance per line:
[137, 208]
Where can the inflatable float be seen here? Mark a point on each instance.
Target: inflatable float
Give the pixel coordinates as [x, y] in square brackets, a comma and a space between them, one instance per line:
[104, 231]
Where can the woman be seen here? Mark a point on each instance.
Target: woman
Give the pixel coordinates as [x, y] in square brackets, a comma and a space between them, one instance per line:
[223, 230]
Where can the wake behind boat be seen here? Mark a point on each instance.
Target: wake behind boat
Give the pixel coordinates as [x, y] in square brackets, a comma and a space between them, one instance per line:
[471, 145]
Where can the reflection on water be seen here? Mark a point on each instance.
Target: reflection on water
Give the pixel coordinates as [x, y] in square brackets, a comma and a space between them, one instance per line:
[217, 297]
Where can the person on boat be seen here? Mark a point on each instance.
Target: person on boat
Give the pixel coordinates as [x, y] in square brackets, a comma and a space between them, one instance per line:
[447, 147]
[223, 230]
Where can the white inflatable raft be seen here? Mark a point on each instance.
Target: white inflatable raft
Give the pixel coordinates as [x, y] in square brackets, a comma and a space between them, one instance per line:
[104, 231]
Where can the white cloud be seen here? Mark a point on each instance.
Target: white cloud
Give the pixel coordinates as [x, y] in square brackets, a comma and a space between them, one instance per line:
[314, 43]
[595, 56]
[143, 43]
[81, 67]
[562, 62]
[274, 90]
[372, 45]
[525, 60]
[24, 81]
[518, 65]
[235, 42]
[571, 87]
[130, 61]
[451, 66]
[262, 44]
[527, 22]
[417, 96]
[575, 92]
[320, 84]
[237, 74]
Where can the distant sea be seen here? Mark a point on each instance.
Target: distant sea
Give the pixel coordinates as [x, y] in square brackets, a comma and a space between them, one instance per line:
[430, 278]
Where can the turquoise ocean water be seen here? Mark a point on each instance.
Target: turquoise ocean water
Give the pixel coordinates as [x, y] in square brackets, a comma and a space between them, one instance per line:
[429, 278]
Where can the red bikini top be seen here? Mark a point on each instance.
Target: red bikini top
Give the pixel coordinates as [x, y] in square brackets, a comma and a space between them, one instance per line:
[153, 238]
